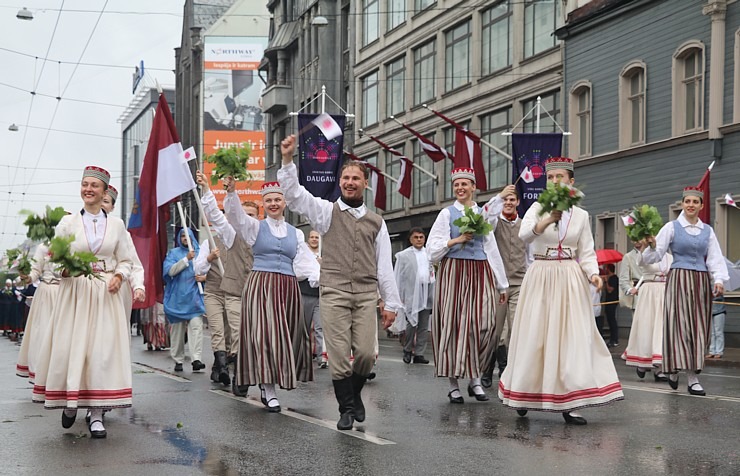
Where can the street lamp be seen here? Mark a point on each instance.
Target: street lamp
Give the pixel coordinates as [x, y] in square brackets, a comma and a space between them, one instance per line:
[319, 21]
[24, 14]
[13, 128]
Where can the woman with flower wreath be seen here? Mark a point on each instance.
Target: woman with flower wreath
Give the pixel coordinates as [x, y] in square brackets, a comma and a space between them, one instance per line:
[464, 309]
[558, 362]
[84, 359]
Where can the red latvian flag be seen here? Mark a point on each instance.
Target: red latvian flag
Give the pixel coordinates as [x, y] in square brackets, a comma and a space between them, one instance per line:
[704, 214]
[468, 152]
[164, 177]
[404, 180]
[435, 152]
[377, 182]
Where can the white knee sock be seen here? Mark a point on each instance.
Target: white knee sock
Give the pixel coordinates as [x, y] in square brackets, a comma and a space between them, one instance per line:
[476, 386]
[454, 387]
[270, 395]
[693, 378]
[96, 419]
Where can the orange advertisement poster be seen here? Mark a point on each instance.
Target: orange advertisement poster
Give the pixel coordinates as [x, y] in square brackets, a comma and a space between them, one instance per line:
[215, 140]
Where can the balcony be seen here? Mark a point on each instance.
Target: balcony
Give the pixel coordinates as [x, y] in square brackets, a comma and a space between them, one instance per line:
[277, 98]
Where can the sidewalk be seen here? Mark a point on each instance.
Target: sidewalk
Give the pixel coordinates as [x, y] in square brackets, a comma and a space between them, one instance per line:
[730, 358]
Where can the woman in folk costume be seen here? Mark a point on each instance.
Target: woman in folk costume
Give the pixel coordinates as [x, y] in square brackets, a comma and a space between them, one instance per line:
[688, 292]
[645, 346]
[274, 348]
[558, 362]
[469, 273]
[84, 359]
[48, 277]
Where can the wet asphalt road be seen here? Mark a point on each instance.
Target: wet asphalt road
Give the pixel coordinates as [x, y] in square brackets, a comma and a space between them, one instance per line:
[186, 425]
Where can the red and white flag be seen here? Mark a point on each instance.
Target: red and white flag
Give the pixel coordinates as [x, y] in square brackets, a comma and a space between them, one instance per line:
[628, 220]
[404, 180]
[468, 152]
[527, 176]
[328, 126]
[705, 213]
[730, 201]
[173, 173]
[433, 151]
[377, 184]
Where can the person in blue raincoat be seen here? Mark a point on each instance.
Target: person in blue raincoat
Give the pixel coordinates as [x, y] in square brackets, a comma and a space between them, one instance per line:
[183, 302]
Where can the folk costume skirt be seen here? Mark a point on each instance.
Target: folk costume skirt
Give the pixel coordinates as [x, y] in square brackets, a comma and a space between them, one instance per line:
[557, 360]
[274, 346]
[84, 360]
[39, 319]
[463, 318]
[688, 315]
[645, 345]
[156, 332]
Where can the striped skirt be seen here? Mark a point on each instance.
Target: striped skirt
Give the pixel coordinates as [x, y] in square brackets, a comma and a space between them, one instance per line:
[154, 327]
[463, 318]
[274, 345]
[645, 346]
[38, 323]
[688, 313]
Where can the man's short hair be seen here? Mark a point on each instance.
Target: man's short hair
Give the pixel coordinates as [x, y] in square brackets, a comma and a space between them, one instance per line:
[249, 203]
[353, 163]
[417, 229]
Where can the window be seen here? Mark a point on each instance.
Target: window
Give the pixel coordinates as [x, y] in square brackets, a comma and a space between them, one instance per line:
[424, 73]
[422, 184]
[369, 196]
[393, 168]
[396, 13]
[605, 236]
[449, 145]
[551, 104]
[420, 5]
[580, 119]
[498, 167]
[728, 228]
[370, 99]
[736, 90]
[457, 56]
[370, 17]
[632, 105]
[688, 88]
[395, 74]
[496, 41]
[541, 19]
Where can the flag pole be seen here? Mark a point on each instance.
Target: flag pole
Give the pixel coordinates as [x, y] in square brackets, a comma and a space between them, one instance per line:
[209, 233]
[187, 236]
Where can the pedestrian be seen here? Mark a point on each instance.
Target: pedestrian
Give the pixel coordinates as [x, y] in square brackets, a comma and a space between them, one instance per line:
[84, 360]
[311, 308]
[688, 297]
[183, 301]
[612, 296]
[501, 212]
[558, 362]
[273, 346]
[223, 293]
[353, 268]
[717, 342]
[645, 345]
[415, 280]
[469, 275]
[156, 332]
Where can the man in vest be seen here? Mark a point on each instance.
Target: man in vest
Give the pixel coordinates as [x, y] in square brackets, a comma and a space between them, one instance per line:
[354, 268]
[223, 292]
[501, 212]
[311, 309]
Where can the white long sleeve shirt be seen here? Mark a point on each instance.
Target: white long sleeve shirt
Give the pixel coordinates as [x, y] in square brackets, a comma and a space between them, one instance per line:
[319, 213]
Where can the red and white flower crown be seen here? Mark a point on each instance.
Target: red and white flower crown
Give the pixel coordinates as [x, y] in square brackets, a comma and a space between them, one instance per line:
[113, 192]
[559, 163]
[462, 172]
[271, 187]
[96, 172]
[693, 192]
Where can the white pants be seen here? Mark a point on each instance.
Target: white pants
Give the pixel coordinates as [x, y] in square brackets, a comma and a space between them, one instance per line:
[194, 328]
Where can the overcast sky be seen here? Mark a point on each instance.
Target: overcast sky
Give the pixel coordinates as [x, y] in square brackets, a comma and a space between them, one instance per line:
[41, 164]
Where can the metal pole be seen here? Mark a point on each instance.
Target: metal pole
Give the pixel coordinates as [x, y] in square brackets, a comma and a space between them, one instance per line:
[433, 176]
[323, 99]
[537, 115]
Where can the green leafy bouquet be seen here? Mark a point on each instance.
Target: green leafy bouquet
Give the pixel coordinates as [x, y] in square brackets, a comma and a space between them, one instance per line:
[42, 228]
[230, 162]
[472, 222]
[18, 259]
[75, 264]
[559, 196]
[644, 221]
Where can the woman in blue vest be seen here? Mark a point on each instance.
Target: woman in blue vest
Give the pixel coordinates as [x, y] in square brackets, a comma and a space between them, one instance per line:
[463, 314]
[274, 346]
[688, 297]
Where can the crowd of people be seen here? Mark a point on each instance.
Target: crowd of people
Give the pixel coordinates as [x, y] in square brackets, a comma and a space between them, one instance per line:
[517, 298]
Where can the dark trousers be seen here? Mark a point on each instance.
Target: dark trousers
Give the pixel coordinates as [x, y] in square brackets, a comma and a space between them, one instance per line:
[611, 319]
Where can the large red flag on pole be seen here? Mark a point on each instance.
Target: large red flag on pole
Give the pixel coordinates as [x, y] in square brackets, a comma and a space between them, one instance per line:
[433, 151]
[468, 151]
[705, 214]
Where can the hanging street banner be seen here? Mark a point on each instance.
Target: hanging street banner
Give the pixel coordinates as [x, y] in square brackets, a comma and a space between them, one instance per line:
[232, 114]
[319, 159]
[530, 151]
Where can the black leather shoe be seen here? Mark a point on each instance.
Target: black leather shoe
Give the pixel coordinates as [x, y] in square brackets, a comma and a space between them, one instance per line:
[640, 372]
[486, 380]
[673, 383]
[521, 412]
[346, 420]
[97, 433]
[198, 366]
[358, 382]
[67, 422]
[660, 377]
[263, 395]
[455, 399]
[693, 391]
[406, 357]
[482, 397]
[419, 359]
[275, 409]
[573, 420]
[239, 390]
[178, 367]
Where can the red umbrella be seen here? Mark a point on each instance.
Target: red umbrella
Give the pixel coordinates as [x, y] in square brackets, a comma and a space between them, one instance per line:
[608, 256]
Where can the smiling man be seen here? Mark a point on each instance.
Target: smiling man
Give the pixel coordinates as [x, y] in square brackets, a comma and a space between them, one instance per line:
[355, 266]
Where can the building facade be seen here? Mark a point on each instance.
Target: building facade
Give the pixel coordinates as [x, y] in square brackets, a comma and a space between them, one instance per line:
[652, 94]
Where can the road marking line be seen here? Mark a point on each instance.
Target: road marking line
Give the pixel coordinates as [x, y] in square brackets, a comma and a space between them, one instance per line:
[149, 368]
[369, 437]
[673, 392]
